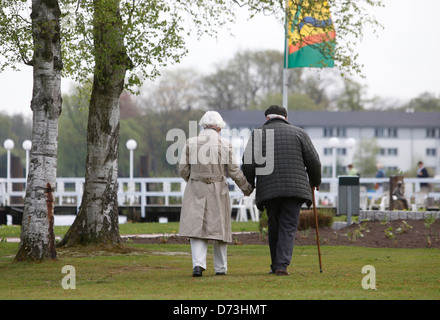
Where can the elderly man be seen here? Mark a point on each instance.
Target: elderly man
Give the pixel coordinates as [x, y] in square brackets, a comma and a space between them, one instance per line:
[294, 169]
[206, 209]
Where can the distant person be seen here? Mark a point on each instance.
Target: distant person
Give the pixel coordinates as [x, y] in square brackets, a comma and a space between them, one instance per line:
[422, 173]
[380, 174]
[399, 195]
[206, 209]
[352, 170]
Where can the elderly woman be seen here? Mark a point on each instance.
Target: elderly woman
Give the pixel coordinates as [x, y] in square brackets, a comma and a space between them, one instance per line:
[206, 211]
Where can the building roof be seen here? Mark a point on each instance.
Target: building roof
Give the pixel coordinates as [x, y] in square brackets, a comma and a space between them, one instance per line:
[399, 119]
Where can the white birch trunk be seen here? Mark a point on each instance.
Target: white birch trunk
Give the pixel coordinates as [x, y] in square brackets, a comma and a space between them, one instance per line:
[97, 220]
[37, 236]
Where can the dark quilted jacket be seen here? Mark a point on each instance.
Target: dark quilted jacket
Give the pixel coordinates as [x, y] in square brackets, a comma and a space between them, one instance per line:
[295, 162]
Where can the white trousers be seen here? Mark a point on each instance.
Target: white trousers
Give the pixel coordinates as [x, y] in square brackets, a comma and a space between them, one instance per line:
[199, 250]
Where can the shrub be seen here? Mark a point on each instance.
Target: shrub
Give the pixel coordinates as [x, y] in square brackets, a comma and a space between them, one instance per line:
[307, 219]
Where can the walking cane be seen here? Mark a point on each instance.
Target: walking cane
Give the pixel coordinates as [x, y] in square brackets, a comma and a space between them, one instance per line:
[316, 225]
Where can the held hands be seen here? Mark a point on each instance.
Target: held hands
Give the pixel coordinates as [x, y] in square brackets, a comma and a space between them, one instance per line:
[248, 191]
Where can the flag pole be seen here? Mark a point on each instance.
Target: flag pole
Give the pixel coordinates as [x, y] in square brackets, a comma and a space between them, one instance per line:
[286, 58]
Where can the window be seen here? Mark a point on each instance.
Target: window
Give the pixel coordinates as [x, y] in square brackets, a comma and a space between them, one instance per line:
[335, 132]
[385, 132]
[431, 152]
[342, 151]
[328, 132]
[339, 151]
[392, 132]
[431, 132]
[388, 152]
[392, 151]
[341, 132]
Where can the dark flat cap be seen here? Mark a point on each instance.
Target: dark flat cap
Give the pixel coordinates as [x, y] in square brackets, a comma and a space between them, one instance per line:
[274, 109]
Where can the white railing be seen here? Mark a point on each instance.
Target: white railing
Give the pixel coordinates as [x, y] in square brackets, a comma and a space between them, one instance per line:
[144, 192]
[369, 195]
[136, 192]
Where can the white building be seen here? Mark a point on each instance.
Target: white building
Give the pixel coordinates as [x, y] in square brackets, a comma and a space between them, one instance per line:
[404, 138]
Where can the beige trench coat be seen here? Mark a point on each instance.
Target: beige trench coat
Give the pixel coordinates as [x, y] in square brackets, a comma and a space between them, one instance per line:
[206, 208]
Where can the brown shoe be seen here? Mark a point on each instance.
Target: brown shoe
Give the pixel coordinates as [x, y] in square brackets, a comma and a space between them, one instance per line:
[281, 273]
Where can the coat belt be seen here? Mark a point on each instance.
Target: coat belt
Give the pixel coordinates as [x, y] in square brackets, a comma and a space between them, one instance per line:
[206, 179]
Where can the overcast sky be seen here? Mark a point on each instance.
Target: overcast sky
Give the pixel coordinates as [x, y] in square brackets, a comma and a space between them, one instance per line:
[403, 62]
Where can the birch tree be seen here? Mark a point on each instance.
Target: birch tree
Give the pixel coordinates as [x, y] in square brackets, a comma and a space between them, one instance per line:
[97, 219]
[36, 42]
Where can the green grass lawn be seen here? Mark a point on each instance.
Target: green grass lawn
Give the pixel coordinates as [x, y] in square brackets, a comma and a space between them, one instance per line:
[164, 272]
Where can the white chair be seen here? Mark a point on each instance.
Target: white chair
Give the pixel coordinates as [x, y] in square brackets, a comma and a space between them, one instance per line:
[245, 204]
[241, 210]
[384, 201]
[421, 198]
[250, 205]
[424, 201]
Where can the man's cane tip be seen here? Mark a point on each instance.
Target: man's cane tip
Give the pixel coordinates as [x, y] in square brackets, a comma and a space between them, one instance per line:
[320, 270]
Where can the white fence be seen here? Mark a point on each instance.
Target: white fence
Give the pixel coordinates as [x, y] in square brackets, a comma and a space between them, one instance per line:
[143, 192]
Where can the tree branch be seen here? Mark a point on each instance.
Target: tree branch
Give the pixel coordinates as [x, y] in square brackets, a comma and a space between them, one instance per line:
[21, 18]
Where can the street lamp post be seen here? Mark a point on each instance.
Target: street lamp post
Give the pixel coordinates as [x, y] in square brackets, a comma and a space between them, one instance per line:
[351, 143]
[8, 144]
[27, 145]
[334, 144]
[131, 145]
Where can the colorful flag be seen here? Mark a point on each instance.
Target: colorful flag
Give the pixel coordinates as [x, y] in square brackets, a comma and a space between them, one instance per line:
[310, 34]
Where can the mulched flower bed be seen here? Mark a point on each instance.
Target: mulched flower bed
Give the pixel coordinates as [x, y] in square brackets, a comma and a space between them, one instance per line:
[376, 234]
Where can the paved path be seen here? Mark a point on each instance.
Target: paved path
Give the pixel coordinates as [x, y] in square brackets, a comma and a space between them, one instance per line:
[155, 235]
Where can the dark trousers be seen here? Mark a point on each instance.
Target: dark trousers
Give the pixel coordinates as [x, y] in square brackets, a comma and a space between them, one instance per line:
[283, 218]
